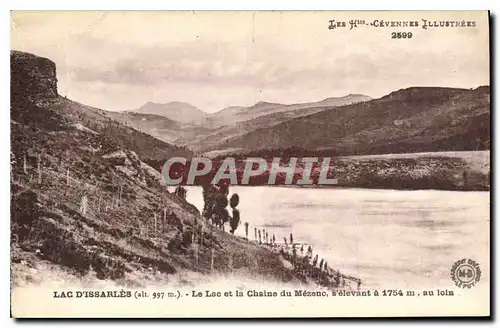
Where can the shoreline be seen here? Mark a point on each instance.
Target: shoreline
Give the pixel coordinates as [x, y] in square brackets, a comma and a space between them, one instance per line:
[350, 188]
[451, 171]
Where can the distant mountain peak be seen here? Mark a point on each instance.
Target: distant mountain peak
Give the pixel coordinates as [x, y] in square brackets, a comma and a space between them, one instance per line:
[356, 95]
[180, 103]
[149, 103]
[350, 95]
[174, 110]
[265, 103]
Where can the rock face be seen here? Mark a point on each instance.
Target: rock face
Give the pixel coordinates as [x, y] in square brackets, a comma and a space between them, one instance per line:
[33, 78]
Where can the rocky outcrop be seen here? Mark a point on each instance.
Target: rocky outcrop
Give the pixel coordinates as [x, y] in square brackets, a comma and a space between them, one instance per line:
[33, 78]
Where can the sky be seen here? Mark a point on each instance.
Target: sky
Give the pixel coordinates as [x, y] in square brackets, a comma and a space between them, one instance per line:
[213, 60]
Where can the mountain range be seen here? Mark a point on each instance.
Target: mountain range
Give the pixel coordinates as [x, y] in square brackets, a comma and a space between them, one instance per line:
[414, 119]
[184, 124]
[408, 120]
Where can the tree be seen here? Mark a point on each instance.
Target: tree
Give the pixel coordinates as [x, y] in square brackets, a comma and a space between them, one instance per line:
[208, 200]
[215, 203]
[235, 219]
[315, 260]
[291, 238]
[309, 252]
[221, 215]
[234, 201]
[181, 192]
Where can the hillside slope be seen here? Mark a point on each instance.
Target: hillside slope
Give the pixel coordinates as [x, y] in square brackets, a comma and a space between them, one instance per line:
[234, 115]
[217, 138]
[160, 127]
[260, 116]
[408, 120]
[83, 198]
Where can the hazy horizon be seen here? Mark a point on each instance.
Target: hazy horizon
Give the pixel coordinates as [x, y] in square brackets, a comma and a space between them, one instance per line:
[214, 60]
[286, 104]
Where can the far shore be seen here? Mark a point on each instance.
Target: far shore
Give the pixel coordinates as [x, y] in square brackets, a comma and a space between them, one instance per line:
[451, 170]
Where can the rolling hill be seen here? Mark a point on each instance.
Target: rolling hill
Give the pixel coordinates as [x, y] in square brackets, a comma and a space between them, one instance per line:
[201, 134]
[213, 139]
[158, 126]
[236, 114]
[408, 120]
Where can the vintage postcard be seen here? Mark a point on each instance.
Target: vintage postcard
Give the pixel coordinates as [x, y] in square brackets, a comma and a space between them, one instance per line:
[250, 164]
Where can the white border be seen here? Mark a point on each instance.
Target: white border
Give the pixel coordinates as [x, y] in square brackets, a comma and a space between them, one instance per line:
[492, 5]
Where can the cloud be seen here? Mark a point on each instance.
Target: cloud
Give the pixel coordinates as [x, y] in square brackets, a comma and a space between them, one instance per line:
[211, 60]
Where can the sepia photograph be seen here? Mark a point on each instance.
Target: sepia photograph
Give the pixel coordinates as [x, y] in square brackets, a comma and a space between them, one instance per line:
[250, 164]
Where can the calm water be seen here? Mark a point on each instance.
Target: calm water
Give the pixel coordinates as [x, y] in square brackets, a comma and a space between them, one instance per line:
[398, 239]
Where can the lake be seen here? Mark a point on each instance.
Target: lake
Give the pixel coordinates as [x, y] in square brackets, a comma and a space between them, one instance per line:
[388, 238]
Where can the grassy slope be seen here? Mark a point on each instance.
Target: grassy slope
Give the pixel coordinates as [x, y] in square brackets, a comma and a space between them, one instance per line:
[159, 126]
[414, 119]
[216, 138]
[117, 234]
[127, 137]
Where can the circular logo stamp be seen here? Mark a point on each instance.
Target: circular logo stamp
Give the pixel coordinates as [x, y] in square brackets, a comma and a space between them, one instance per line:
[465, 273]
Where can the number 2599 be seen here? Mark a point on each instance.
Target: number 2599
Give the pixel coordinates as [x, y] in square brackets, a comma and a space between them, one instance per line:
[401, 35]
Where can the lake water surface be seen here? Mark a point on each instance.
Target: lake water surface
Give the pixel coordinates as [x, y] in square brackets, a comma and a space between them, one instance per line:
[388, 238]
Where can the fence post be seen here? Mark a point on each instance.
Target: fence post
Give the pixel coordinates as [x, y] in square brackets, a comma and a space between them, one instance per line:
[154, 214]
[120, 196]
[25, 168]
[195, 245]
[212, 260]
[39, 169]
[83, 205]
